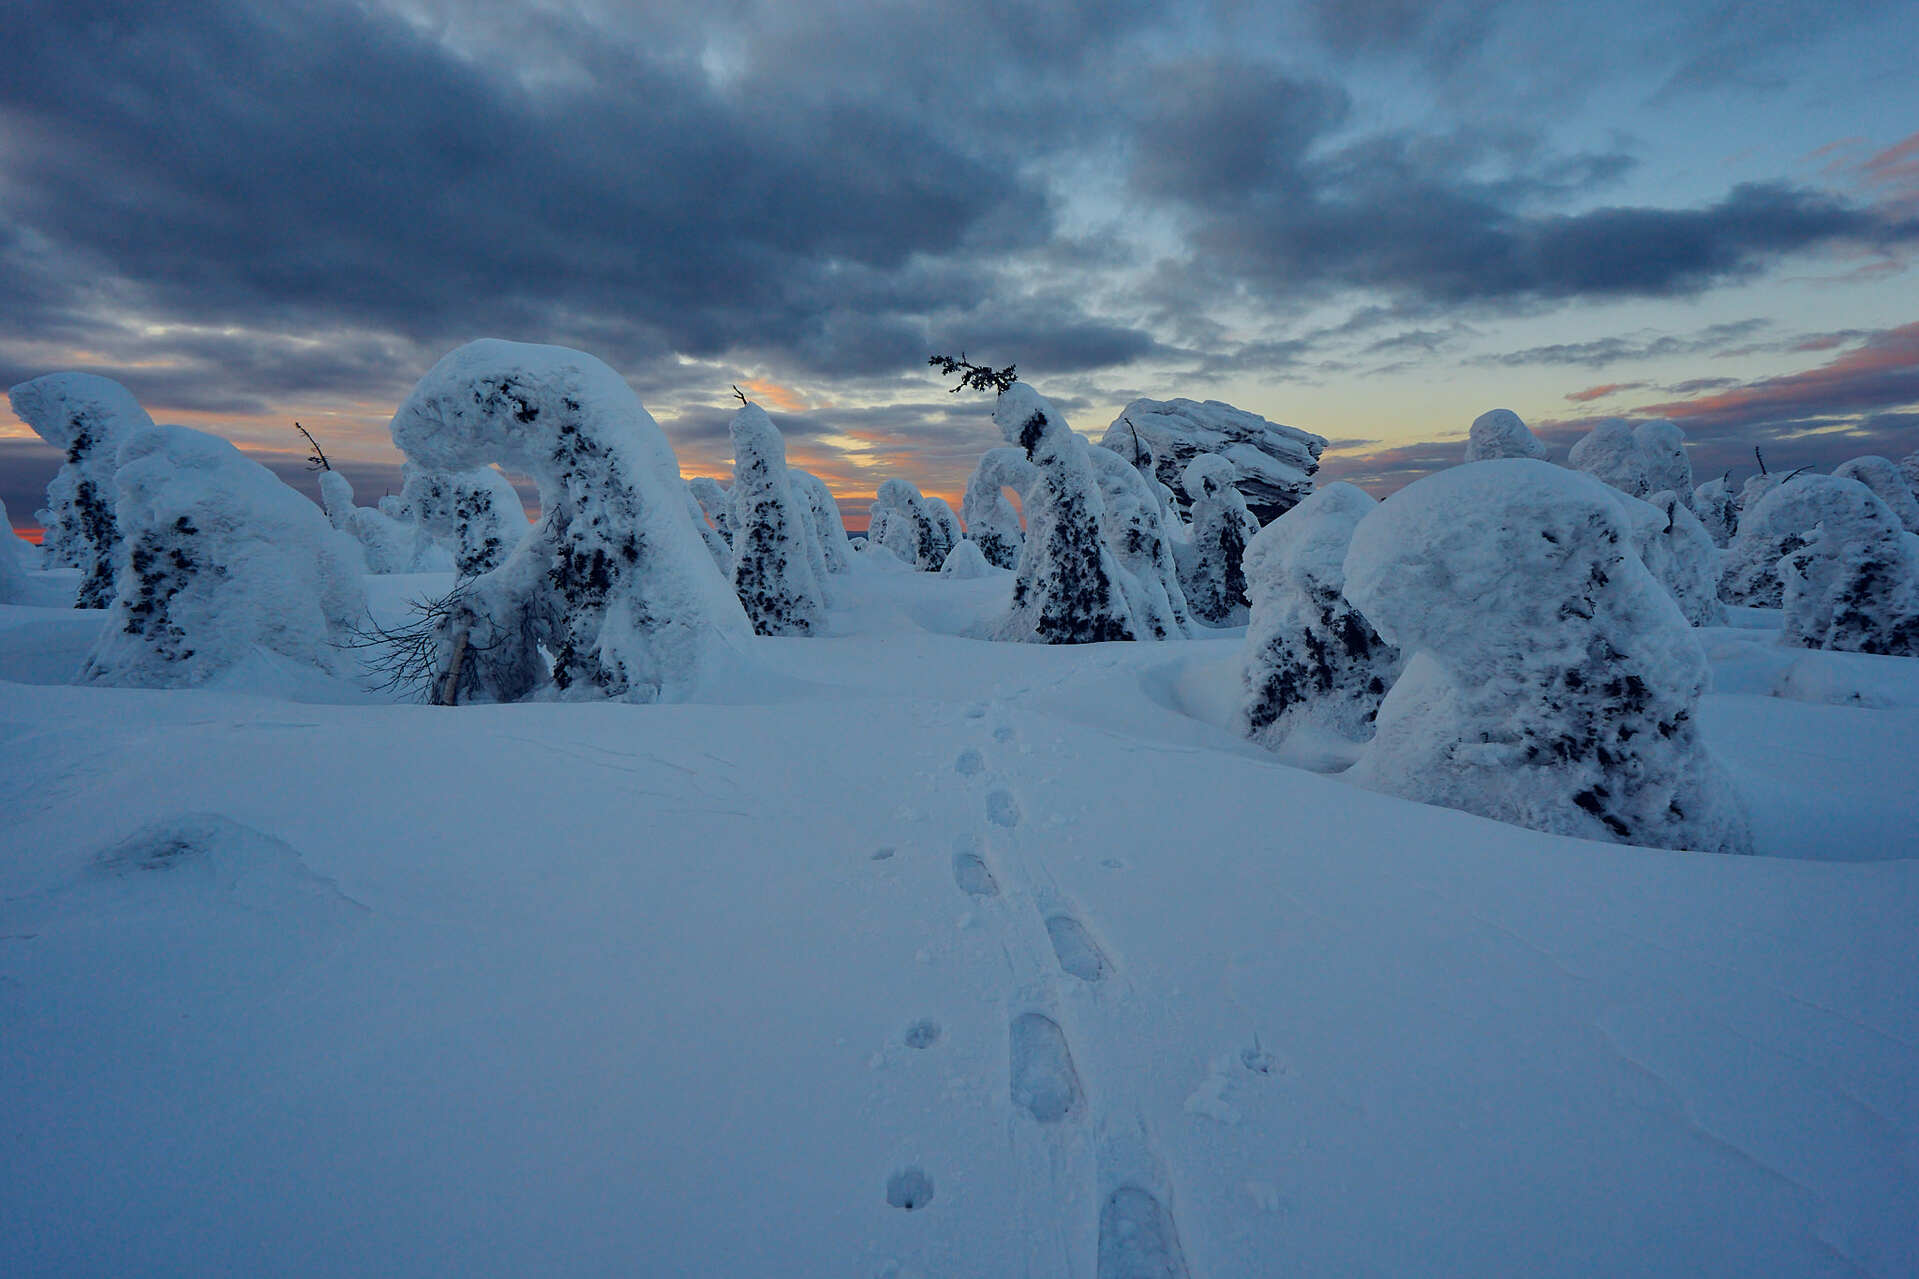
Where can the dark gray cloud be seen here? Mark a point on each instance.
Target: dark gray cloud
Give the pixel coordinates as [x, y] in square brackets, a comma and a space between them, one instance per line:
[1711, 340]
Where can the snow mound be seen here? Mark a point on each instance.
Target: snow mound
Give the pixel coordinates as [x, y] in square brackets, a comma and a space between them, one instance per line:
[1273, 465]
[1551, 682]
[966, 561]
[1500, 433]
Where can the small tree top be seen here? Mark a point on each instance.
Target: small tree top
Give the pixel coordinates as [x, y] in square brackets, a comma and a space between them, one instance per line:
[974, 377]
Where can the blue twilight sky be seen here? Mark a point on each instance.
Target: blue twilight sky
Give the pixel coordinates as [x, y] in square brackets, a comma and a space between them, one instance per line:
[1372, 220]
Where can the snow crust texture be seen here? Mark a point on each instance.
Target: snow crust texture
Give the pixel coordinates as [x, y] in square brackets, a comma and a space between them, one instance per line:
[1551, 682]
[221, 559]
[87, 418]
[614, 582]
[1501, 433]
[1273, 465]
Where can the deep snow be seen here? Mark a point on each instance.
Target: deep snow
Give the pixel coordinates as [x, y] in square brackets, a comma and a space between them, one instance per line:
[295, 982]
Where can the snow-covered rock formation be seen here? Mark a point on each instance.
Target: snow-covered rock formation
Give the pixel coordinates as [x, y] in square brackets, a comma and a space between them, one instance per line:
[1214, 576]
[614, 581]
[87, 418]
[1311, 658]
[990, 519]
[1610, 452]
[1500, 433]
[1888, 483]
[1668, 470]
[1134, 530]
[772, 571]
[220, 559]
[1550, 681]
[1853, 582]
[1068, 589]
[1273, 465]
[474, 515]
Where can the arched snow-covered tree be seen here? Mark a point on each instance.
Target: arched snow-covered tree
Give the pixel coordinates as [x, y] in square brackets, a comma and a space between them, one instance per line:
[1610, 452]
[990, 519]
[1501, 433]
[613, 582]
[1854, 583]
[87, 418]
[1131, 524]
[1888, 483]
[1668, 469]
[474, 515]
[220, 559]
[904, 523]
[1068, 588]
[1550, 682]
[1310, 658]
[1215, 579]
[1716, 503]
[772, 573]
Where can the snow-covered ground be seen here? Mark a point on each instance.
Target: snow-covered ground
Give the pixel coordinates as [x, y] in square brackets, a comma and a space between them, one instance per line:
[904, 953]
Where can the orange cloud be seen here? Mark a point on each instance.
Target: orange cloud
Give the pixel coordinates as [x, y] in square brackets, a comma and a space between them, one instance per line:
[1882, 374]
[1602, 391]
[781, 399]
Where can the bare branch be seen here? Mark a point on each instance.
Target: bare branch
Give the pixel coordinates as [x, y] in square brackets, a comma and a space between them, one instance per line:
[316, 460]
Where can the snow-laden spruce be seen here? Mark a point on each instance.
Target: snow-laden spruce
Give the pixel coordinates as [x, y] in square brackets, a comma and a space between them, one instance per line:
[1134, 528]
[1500, 433]
[614, 582]
[1668, 470]
[905, 523]
[716, 502]
[1772, 526]
[1888, 483]
[1310, 658]
[1853, 582]
[16, 561]
[1679, 553]
[824, 513]
[772, 573]
[1716, 503]
[1273, 465]
[716, 544]
[1611, 452]
[87, 418]
[389, 543]
[1068, 588]
[990, 519]
[1215, 577]
[1550, 681]
[219, 559]
[965, 562]
[474, 515]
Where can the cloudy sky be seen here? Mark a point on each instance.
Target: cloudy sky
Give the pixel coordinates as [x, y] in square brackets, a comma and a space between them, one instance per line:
[1373, 219]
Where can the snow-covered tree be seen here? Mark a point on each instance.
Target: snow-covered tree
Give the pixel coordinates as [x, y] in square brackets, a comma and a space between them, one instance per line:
[1133, 528]
[614, 581]
[1068, 588]
[906, 524]
[220, 559]
[1676, 549]
[474, 515]
[716, 545]
[1311, 658]
[1501, 433]
[824, 513]
[772, 573]
[1853, 583]
[1771, 527]
[1757, 486]
[393, 543]
[1215, 579]
[965, 562]
[1611, 452]
[990, 519]
[946, 523]
[1909, 467]
[1550, 682]
[716, 502]
[87, 418]
[16, 561]
[1668, 469]
[1716, 503]
[1888, 482]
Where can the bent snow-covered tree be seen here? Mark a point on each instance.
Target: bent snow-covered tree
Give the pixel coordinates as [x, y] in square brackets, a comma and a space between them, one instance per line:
[87, 418]
[716, 502]
[1215, 577]
[906, 525]
[1135, 531]
[1611, 452]
[474, 514]
[1500, 433]
[772, 573]
[990, 519]
[1068, 588]
[824, 515]
[1668, 470]
[1550, 681]
[1854, 583]
[613, 581]
[1888, 483]
[1311, 658]
[716, 545]
[389, 543]
[220, 559]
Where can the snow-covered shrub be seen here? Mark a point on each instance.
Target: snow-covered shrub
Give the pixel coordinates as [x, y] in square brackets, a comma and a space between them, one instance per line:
[1310, 656]
[1611, 452]
[475, 515]
[1717, 505]
[904, 523]
[1888, 483]
[1068, 589]
[388, 543]
[990, 519]
[1668, 470]
[965, 561]
[613, 582]
[772, 573]
[1550, 682]
[87, 418]
[1771, 527]
[220, 558]
[716, 502]
[824, 514]
[1678, 552]
[1133, 527]
[1853, 582]
[1501, 433]
[1222, 526]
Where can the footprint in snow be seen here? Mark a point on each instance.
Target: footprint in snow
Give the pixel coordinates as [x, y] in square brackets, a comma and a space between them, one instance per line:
[923, 1033]
[1078, 953]
[971, 874]
[909, 1188]
[1137, 1238]
[969, 763]
[883, 853]
[1002, 809]
[1044, 1082]
[1004, 733]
